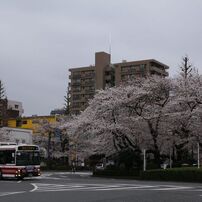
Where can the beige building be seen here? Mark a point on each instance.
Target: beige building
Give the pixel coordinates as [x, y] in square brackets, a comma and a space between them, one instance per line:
[85, 80]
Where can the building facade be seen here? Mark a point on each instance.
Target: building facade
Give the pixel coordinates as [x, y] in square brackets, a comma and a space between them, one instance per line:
[15, 106]
[84, 81]
[32, 123]
[16, 135]
[9, 109]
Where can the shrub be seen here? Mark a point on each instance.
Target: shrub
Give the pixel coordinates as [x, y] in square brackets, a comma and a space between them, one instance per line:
[115, 172]
[174, 174]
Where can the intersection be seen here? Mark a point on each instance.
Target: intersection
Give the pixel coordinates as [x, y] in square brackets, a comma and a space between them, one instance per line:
[82, 187]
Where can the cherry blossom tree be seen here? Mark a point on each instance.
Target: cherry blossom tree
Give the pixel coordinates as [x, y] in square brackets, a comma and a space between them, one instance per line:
[187, 102]
[51, 137]
[4, 135]
[158, 114]
[123, 117]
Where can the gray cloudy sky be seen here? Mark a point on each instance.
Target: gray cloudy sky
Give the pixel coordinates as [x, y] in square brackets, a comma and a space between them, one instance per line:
[41, 39]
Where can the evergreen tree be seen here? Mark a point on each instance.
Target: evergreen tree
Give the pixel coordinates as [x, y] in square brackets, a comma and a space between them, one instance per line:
[66, 99]
[2, 91]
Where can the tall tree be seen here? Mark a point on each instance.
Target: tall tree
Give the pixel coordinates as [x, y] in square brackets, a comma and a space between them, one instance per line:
[49, 136]
[67, 102]
[2, 91]
[124, 117]
[3, 106]
[187, 99]
[153, 113]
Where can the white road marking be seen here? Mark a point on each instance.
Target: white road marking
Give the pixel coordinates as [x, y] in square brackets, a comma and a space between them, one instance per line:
[171, 188]
[35, 188]
[42, 187]
[47, 177]
[123, 188]
[11, 193]
[63, 176]
[19, 181]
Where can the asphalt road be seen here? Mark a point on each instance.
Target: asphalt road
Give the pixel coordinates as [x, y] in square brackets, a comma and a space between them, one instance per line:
[82, 187]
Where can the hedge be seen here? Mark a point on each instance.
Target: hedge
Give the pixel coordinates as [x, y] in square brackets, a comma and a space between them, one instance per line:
[117, 173]
[174, 174]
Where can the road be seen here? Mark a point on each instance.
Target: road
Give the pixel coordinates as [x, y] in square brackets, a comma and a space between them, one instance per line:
[82, 187]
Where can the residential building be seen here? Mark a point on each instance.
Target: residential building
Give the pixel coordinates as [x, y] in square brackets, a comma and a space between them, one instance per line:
[9, 109]
[59, 111]
[142, 68]
[33, 122]
[84, 81]
[14, 109]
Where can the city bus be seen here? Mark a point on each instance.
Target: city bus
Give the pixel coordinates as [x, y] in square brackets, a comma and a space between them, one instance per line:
[19, 161]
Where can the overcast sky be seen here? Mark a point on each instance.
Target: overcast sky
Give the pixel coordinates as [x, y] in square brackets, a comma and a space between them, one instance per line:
[41, 39]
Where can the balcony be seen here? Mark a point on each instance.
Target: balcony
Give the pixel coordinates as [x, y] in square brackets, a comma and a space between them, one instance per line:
[88, 75]
[89, 91]
[159, 71]
[108, 77]
[89, 83]
[73, 83]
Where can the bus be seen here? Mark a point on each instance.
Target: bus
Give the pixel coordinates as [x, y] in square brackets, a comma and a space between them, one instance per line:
[19, 161]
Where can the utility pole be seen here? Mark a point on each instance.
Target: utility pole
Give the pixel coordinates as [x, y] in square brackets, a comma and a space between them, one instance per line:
[170, 158]
[49, 148]
[144, 159]
[198, 148]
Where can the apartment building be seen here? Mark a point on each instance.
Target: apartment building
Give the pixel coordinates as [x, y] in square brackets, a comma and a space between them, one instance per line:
[9, 109]
[14, 109]
[84, 81]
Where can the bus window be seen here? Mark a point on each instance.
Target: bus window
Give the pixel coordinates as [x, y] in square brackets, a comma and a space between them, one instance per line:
[27, 158]
[7, 157]
[2, 158]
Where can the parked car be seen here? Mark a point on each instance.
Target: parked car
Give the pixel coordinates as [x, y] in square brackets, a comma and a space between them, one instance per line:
[99, 166]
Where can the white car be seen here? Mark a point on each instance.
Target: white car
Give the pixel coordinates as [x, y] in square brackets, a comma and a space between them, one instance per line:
[99, 166]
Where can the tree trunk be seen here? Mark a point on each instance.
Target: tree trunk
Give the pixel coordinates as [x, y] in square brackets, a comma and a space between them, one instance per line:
[156, 152]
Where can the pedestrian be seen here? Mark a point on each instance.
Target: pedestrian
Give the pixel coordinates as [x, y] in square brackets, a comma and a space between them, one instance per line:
[73, 167]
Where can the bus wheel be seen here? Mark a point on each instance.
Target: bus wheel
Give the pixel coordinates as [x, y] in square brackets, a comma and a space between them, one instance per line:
[20, 178]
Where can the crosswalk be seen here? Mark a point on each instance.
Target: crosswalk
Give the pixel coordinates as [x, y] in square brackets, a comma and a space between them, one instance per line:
[43, 187]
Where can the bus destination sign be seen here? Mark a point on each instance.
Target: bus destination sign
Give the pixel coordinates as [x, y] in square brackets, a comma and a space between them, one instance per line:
[28, 148]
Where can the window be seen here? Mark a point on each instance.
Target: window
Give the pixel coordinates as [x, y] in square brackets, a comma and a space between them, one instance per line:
[76, 97]
[124, 69]
[7, 157]
[24, 122]
[76, 75]
[76, 104]
[16, 106]
[90, 88]
[76, 89]
[142, 69]
[76, 112]
[78, 80]
[27, 158]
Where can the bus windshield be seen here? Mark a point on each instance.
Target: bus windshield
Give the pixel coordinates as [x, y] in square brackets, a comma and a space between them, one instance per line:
[27, 158]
